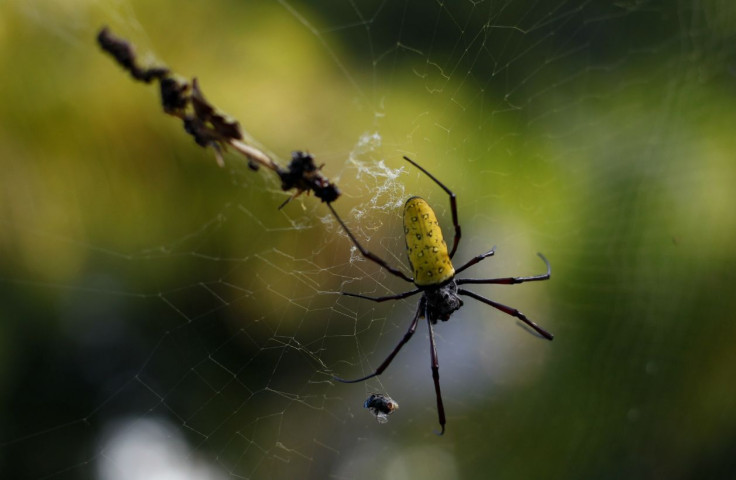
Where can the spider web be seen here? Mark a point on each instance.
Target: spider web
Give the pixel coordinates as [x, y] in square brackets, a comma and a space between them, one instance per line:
[161, 318]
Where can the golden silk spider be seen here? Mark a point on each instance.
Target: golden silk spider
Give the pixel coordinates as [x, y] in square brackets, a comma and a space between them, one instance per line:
[434, 277]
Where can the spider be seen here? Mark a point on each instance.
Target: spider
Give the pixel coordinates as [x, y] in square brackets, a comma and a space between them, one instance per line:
[434, 278]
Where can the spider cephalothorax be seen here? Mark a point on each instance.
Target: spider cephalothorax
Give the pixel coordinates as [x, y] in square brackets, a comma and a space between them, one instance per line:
[442, 301]
[434, 276]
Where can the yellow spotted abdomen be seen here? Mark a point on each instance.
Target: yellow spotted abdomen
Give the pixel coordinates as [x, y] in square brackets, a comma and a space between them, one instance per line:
[425, 245]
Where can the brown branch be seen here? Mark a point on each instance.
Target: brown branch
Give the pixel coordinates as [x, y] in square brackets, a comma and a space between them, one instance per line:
[212, 128]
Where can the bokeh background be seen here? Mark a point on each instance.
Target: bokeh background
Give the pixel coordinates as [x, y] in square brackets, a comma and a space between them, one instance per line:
[160, 318]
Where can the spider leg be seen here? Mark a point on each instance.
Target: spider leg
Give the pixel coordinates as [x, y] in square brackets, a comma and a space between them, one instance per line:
[398, 296]
[387, 362]
[477, 259]
[509, 311]
[453, 204]
[509, 280]
[366, 253]
[290, 198]
[436, 377]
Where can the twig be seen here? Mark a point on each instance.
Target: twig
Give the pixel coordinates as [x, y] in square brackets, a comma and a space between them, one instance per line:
[212, 128]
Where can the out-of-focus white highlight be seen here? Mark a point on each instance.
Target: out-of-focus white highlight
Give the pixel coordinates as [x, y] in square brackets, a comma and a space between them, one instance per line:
[150, 449]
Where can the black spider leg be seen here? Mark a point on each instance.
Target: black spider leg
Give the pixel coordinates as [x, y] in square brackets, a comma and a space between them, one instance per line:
[505, 280]
[476, 259]
[366, 253]
[398, 296]
[509, 311]
[453, 204]
[436, 376]
[387, 361]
